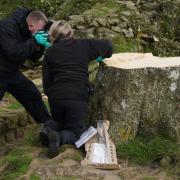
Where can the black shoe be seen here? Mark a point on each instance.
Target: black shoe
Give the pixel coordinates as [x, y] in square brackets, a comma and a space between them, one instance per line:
[53, 144]
[43, 135]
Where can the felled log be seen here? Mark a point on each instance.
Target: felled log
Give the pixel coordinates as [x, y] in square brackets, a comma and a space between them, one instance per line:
[138, 94]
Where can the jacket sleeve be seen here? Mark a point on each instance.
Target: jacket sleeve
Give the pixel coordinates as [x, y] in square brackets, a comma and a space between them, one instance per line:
[47, 74]
[12, 48]
[96, 48]
[37, 55]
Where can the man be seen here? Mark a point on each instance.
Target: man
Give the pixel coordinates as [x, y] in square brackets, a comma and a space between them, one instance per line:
[20, 39]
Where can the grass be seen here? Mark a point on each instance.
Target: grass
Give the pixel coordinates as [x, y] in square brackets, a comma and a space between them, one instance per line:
[145, 150]
[121, 44]
[15, 105]
[106, 8]
[34, 177]
[19, 158]
[18, 162]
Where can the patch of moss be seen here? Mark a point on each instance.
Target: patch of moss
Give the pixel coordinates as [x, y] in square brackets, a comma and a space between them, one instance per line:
[105, 8]
[145, 150]
[32, 138]
[121, 44]
[34, 177]
[15, 105]
[18, 162]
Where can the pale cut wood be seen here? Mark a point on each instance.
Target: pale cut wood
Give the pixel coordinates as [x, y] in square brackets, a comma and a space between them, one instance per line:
[140, 60]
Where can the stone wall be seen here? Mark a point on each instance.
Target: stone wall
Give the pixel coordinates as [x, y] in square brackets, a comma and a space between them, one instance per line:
[13, 124]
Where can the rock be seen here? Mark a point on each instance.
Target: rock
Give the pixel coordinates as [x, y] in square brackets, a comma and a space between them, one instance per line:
[138, 101]
[112, 177]
[105, 33]
[130, 5]
[102, 21]
[151, 14]
[80, 27]
[88, 18]
[126, 13]
[94, 23]
[113, 22]
[77, 19]
[2, 126]
[165, 162]
[10, 136]
[68, 163]
[124, 19]
[128, 33]
[116, 29]
[2, 141]
[22, 118]
[38, 83]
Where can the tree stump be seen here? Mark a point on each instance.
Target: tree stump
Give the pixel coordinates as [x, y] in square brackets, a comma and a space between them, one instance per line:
[138, 99]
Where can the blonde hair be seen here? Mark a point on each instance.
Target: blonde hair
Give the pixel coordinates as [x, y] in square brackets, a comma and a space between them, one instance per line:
[60, 29]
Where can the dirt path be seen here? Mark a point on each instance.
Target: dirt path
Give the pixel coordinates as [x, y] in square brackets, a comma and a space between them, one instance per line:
[66, 166]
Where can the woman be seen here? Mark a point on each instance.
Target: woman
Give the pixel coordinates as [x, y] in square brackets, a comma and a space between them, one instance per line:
[65, 80]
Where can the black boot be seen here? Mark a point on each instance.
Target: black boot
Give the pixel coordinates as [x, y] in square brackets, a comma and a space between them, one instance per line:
[43, 135]
[54, 144]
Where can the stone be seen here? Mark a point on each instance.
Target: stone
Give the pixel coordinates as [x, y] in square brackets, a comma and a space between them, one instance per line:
[77, 19]
[2, 126]
[22, 118]
[68, 163]
[130, 5]
[102, 21]
[105, 33]
[80, 27]
[128, 33]
[126, 13]
[10, 136]
[88, 18]
[116, 29]
[165, 162]
[2, 141]
[38, 83]
[124, 19]
[112, 177]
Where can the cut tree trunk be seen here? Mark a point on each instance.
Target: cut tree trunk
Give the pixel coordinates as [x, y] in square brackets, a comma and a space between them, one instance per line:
[138, 94]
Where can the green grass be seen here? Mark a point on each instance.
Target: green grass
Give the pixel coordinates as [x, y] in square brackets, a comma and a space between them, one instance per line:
[34, 177]
[18, 162]
[15, 105]
[143, 150]
[121, 44]
[106, 8]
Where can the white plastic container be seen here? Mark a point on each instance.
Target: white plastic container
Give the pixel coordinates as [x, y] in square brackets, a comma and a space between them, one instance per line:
[86, 136]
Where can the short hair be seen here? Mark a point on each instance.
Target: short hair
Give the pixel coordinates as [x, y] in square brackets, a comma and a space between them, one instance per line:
[36, 16]
[60, 29]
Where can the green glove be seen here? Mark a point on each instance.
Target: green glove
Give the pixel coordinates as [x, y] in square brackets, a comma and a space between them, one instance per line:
[41, 38]
[99, 59]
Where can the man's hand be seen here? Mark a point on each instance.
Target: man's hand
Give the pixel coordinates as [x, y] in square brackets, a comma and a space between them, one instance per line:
[99, 59]
[47, 44]
[41, 38]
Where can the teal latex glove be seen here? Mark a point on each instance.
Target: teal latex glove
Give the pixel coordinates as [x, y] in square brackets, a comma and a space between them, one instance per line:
[47, 44]
[99, 59]
[41, 38]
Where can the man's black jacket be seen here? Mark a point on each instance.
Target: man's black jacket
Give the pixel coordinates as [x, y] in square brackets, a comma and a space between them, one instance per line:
[16, 43]
[65, 66]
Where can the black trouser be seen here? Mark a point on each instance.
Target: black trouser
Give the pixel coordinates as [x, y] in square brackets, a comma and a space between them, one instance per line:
[69, 119]
[27, 94]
